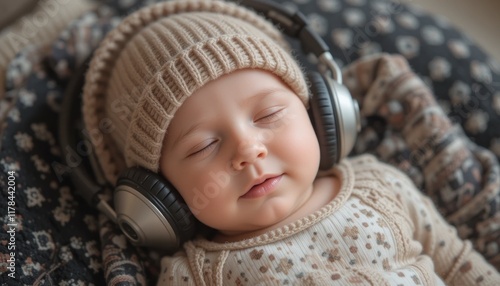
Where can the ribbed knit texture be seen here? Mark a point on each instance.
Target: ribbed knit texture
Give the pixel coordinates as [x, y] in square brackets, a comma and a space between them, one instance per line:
[156, 58]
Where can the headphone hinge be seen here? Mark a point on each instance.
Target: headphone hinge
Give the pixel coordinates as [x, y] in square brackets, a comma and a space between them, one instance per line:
[326, 64]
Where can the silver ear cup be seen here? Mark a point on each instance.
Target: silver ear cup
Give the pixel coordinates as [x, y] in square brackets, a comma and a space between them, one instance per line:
[141, 221]
[335, 117]
[347, 114]
[150, 211]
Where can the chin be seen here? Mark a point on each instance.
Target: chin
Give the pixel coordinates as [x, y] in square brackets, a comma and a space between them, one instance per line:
[275, 211]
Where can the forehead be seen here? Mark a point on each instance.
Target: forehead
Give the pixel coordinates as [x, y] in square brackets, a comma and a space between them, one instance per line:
[236, 87]
[226, 95]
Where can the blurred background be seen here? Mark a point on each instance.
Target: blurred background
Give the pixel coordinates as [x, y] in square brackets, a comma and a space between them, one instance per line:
[478, 19]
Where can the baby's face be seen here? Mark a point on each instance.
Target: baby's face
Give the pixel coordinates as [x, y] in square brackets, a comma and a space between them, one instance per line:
[242, 152]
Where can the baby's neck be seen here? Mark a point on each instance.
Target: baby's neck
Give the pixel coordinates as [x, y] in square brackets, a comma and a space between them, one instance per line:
[324, 190]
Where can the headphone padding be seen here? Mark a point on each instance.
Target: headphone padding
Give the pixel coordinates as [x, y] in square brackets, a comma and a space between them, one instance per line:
[322, 116]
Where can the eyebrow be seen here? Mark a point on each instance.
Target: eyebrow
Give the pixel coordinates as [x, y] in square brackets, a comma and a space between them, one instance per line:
[264, 92]
[185, 132]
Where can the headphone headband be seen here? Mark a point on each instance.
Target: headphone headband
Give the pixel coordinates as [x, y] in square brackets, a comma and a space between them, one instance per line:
[294, 24]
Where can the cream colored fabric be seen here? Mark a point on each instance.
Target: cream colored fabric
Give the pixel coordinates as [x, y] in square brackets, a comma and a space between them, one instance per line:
[39, 27]
[157, 57]
[379, 230]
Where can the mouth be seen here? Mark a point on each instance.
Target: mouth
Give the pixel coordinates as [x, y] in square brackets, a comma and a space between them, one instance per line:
[262, 187]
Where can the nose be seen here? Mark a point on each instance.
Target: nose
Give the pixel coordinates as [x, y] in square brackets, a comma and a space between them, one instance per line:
[249, 150]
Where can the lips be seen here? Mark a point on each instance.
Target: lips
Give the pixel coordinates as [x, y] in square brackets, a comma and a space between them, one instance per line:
[262, 187]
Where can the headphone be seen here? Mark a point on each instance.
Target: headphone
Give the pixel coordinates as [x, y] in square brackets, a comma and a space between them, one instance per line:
[147, 208]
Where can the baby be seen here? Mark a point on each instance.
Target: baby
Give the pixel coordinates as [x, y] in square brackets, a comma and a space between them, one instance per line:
[207, 95]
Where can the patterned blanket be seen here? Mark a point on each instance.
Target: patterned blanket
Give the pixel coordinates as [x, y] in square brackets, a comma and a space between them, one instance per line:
[441, 132]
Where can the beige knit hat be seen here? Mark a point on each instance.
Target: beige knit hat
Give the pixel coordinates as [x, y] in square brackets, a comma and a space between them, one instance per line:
[158, 56]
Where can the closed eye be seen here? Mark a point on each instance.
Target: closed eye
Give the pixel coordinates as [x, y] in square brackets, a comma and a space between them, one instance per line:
[271, 115]
[203, 149]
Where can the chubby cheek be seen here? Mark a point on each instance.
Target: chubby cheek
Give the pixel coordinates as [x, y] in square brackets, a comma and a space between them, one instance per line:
[205, 194]
[298, 144]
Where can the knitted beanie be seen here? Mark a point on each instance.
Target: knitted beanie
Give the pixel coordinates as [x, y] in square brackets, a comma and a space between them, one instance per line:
[155, 58]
